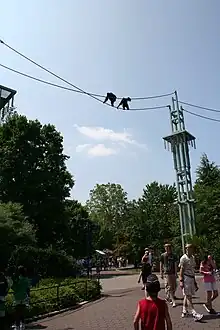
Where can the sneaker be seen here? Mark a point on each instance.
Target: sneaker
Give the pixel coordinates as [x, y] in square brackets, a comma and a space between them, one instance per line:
[22, 326]
[197, 317]
[173, 304]
[185, 314]
[206, 307]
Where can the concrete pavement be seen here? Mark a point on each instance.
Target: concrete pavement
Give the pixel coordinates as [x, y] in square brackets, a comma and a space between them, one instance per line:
[116, 309]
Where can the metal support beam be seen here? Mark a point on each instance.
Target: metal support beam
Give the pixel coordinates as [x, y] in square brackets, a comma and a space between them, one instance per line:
[180, 140]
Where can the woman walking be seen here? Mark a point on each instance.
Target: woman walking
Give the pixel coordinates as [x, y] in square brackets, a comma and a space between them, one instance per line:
[207, 269]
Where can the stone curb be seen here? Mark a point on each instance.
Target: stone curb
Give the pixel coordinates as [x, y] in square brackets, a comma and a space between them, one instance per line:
[61, 311]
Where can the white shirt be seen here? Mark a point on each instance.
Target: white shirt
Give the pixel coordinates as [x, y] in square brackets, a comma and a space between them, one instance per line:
[188, 264]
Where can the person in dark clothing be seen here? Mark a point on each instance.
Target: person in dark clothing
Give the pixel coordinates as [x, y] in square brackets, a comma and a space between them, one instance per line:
[111, 97]
[20, 287]
[145, 271]
[4, 287]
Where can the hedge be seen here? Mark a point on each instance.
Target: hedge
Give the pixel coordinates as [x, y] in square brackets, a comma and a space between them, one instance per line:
[53, 295]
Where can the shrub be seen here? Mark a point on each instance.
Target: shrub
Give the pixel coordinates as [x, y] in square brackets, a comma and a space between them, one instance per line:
[58, 295]
[47, 262]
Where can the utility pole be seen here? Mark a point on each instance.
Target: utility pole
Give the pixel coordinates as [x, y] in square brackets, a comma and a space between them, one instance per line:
[6, 102]
[180, 140]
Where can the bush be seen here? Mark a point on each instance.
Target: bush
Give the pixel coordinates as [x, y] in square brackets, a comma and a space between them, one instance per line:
[46, 262]
[58, 295]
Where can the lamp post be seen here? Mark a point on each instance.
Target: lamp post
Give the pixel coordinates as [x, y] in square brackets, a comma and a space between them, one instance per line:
[88, 247]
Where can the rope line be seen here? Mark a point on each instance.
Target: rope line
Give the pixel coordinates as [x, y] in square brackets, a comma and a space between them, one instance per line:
[201, 116]
[77, 89]
[199, 106]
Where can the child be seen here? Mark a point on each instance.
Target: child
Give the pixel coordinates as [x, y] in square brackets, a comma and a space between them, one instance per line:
[152, 311]
[20, 287]
[3, 293]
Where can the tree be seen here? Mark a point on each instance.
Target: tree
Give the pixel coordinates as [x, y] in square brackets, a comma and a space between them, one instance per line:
[159, 213]
[80, 231]
[107, 206]
[33, 173]
[208, 173]
[207, 193]
[15, 231]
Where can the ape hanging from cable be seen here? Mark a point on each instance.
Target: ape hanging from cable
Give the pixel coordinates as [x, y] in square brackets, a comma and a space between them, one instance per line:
[124, 103]
[111, 97]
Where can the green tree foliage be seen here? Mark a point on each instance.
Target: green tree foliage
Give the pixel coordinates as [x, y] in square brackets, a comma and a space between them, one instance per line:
[207, 194]
[33, 173]
[15, 230]
[107, 206]
[159, 213]
[128, 227]
[80, 231]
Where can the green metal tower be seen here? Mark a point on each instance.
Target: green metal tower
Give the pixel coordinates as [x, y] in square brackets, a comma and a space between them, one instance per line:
[180, 140]
[6, 102]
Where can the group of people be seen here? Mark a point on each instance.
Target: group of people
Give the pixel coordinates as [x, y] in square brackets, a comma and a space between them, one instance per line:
[152, 311]
[20, 285]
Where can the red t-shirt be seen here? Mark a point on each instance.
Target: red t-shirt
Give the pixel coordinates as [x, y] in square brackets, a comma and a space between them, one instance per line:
[152, 314]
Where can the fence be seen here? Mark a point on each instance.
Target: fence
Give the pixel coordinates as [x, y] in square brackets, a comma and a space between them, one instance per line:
[56, 294]
[61, 295]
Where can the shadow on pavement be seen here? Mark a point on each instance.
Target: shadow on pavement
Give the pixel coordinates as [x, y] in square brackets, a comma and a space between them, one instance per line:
[116, 274]
[120, 293]
[211, 317]
[35, 326]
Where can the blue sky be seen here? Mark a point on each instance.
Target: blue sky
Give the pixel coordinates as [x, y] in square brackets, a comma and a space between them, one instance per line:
[133, 48]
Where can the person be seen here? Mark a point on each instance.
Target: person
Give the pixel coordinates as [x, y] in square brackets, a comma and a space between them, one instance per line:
[20, 287]
[4, 287]
[145, 270]
[124, 103]
[187, 282]
[207, 269]
[111, 97]
[152, 311]
[168, 272]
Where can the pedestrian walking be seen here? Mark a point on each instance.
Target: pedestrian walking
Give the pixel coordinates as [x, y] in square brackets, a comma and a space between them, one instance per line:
[20, 287]
[145, 271]
[168, 272]
[207, 269]
[188, 282]
[4, 287]
[152, 312]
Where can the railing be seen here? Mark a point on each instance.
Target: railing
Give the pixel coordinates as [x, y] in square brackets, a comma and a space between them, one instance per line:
[58, 296]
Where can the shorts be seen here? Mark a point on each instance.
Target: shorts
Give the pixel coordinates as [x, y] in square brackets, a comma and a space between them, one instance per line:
[188, 286]
[24, 302]
[210, 286]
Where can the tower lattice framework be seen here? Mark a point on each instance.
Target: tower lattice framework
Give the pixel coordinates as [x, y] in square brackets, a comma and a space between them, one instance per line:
[179, 141]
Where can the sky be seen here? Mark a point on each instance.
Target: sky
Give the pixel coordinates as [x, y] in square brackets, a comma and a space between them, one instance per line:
[131, 48]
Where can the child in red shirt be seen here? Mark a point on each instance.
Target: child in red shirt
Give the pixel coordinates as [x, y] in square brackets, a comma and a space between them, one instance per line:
[152, 311]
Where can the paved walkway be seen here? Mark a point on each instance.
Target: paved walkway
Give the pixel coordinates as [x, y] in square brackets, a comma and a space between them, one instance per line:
[115, 311]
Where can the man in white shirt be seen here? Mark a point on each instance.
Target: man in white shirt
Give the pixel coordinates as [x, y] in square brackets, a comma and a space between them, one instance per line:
[187, 282]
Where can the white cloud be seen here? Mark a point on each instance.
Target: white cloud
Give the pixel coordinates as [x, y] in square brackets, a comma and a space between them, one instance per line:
[82, 147]
[101, 134]
[100, 150]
